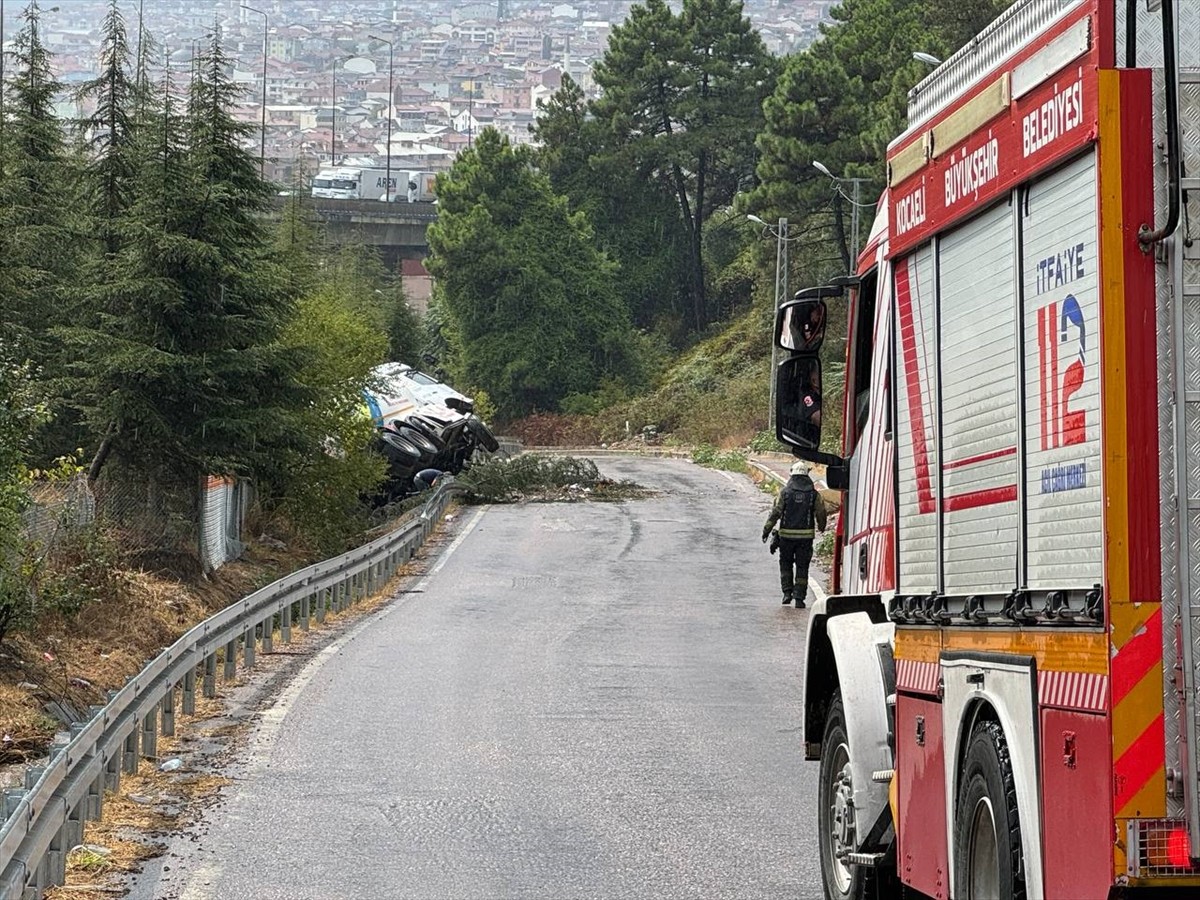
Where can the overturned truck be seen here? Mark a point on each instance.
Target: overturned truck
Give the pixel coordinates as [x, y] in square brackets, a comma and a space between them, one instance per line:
[422, 425]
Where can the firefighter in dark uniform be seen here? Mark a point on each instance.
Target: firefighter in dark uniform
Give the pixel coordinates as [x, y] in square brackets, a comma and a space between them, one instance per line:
[797, 509]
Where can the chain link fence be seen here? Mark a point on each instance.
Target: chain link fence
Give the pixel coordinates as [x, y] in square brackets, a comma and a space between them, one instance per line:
[149, 523]
[57, 510]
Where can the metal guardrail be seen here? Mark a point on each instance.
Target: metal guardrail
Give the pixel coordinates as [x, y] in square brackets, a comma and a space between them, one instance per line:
[509, 447]
[768, 473]
[43, 821]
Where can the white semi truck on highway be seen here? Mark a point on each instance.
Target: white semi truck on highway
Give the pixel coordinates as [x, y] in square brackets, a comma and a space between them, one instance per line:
[366, 183]
[1003, 689]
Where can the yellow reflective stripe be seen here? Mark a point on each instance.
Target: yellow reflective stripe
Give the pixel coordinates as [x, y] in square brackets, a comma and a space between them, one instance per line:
[797, 532]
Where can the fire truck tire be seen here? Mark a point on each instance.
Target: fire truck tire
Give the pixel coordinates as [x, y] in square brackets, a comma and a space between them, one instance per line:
[987, 830]
[834, 804]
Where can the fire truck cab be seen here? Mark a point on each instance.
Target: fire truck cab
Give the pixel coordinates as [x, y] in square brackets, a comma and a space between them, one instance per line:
[1002, 688]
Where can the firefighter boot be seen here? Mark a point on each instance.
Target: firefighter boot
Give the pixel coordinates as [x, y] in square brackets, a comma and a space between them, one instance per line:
[787, 598]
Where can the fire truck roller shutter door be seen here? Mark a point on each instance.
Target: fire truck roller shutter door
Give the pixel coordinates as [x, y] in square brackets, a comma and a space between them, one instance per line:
[979, 404]
[916, 446]
[1064, 518]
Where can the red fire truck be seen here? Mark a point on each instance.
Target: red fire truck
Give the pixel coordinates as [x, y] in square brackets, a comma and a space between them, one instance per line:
[1002, 690]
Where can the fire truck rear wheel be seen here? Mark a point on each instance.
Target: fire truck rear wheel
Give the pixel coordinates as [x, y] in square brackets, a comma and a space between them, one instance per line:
[837, 827]
[987, 830]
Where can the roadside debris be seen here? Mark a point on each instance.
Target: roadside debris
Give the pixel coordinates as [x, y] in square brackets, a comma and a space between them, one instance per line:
[533, 477]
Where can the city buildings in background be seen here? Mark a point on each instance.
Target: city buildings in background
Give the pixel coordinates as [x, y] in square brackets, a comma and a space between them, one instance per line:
[456, 66]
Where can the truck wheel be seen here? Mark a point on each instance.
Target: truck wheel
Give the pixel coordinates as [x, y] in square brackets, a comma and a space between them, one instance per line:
[837, 826]
[987, 831]
[483, 434]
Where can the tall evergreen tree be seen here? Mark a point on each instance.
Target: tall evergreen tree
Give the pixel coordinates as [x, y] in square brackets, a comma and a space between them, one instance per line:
[683, 93]
[37, 242]
[636, 220]
[843, 100]
[108, 132]
[528, 299]
[193, 378]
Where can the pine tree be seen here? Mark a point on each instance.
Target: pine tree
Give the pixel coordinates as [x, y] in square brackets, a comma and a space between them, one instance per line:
[184, 374]
[683, 94]
[108, 133]
[528, 301]
[636, 219]
[236, 298]
[122, 351]
[37, 243]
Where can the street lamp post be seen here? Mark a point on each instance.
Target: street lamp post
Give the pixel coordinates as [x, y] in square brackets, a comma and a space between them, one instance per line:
[262, 141]
[1, 68]
[391, 100]
[471, 112]
[855, 204]
[781, 290]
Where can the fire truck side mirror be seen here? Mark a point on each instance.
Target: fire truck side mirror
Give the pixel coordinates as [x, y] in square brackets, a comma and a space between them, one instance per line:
[837, 477]
[800, 326]
[798, 401]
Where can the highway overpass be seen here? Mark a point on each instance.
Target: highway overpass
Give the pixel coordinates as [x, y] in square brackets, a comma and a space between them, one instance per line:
[397, 229]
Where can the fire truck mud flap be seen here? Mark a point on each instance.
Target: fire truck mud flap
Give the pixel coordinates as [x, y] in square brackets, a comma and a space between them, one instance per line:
[862, 652]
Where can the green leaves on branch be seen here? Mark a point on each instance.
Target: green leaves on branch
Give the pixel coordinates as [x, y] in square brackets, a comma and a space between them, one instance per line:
[673, 130]
[529, 307]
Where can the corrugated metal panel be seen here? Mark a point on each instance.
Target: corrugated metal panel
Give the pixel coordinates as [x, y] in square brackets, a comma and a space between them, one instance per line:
[214, 519]
[979, 404]
[1184, 274]
[916, 426]
[1062, 377]
[1179, 478]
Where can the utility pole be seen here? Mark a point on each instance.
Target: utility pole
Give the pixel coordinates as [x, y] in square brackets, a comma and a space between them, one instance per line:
[855, 205]
[855, 218]
[262, 143]
[391, 100]
[2, 54]
[141, 60]
[781, 292]
[471, 112]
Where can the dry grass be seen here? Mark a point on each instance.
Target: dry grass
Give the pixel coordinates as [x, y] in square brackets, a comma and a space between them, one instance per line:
[24, 728]
[128, 828]
[76, 661]
[103, 649]
[152, 804]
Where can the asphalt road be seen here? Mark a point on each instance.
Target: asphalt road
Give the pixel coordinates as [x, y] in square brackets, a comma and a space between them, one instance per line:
[583, 700]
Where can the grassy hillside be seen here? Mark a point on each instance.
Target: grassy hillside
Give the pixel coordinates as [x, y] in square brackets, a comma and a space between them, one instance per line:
[716, 392]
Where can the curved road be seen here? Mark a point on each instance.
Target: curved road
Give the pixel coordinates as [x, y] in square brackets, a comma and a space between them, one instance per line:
[584, 700]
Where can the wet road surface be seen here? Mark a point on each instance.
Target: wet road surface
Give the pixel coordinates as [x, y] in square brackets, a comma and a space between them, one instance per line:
[582, 700]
